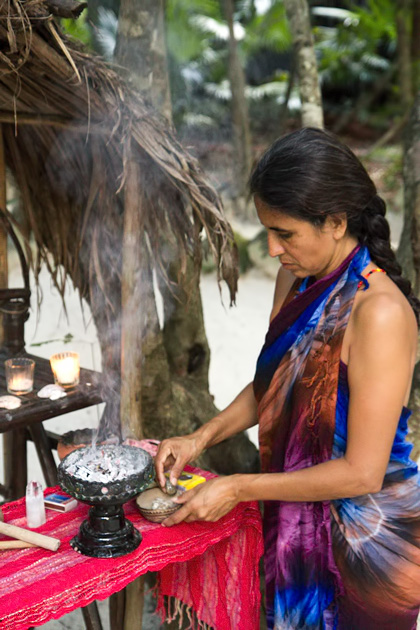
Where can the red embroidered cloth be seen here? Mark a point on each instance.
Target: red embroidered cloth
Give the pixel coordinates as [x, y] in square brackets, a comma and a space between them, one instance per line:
[212, 568]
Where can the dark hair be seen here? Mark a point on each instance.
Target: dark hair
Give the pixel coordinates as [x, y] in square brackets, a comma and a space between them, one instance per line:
[309, 174]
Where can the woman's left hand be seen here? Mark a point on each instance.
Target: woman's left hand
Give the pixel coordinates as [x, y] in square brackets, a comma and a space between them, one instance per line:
[207, 502]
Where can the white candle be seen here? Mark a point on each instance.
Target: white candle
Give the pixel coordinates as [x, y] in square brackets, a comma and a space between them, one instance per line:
[19, 384]
[65, 367]
[19, 375]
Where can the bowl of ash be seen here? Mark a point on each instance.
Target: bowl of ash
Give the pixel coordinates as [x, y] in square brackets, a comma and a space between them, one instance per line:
[156, 505]
[106, 477]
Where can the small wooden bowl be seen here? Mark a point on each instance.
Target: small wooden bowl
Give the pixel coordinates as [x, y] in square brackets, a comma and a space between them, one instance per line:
[144, 503]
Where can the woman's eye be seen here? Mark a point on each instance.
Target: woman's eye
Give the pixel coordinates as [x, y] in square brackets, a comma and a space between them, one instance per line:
[280, 236]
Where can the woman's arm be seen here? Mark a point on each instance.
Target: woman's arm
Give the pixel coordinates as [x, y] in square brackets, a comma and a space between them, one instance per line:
[241, 414]
[381, 360]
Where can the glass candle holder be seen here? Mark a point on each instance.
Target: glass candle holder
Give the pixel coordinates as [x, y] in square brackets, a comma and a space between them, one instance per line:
[19, 375]
[66, 368]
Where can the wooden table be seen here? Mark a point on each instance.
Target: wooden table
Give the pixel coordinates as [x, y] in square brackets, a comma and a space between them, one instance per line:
[25, 422]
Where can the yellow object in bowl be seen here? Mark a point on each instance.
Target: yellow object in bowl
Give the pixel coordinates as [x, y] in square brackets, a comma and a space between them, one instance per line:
[188, 480]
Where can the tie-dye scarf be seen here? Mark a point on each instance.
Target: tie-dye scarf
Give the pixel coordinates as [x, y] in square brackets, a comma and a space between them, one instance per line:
[321, 572]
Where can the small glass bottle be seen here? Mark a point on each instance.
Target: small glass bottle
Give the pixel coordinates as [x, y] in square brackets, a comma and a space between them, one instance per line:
[35, 508]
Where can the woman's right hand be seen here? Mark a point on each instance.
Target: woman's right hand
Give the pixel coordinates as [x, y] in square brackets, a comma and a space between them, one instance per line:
[174, 454]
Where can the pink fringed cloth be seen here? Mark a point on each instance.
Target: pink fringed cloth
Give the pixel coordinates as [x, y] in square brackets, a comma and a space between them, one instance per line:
[207, 571]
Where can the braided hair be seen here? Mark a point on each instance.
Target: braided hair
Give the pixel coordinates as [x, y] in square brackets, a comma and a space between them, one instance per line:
[309, 174]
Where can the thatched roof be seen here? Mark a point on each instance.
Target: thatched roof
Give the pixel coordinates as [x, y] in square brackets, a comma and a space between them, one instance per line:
[70, 125]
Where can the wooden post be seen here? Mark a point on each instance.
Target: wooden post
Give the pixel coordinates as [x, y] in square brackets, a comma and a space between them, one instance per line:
[131, 306]
[126, 606]
[4, 272]
[11, 438]
[132, 319]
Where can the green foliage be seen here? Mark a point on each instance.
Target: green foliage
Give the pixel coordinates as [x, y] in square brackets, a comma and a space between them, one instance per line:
[242, 244]
[196, 36]
[78, 29]
[269, 31]
[344, 60]
[197, 43]
[190, 26]
[376, 22]
[66, 339]
[358, 49]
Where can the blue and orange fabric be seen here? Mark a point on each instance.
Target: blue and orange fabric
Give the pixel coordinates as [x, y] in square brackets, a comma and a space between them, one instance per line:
[349, 564]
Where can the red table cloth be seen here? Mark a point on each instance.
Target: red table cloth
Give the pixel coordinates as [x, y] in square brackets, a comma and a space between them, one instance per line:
[209, 570]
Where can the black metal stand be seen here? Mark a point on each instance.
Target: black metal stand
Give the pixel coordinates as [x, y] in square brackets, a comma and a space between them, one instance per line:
[106, 533]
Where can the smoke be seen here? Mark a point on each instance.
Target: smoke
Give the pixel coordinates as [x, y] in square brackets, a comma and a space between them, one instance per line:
[101, 260]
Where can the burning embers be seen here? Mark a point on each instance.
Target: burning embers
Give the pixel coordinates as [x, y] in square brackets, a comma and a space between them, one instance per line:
[106, 464]
[107, 473]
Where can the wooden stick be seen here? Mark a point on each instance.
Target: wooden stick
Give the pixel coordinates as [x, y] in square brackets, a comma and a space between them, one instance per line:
[47, 542]
[132, 305]
[15, 544]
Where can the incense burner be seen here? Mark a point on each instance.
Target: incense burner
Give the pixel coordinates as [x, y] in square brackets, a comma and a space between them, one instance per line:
[106, 477]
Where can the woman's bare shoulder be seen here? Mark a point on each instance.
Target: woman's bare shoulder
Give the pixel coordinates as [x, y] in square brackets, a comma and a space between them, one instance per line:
[284, 282]
[382, 311]
[385, 303]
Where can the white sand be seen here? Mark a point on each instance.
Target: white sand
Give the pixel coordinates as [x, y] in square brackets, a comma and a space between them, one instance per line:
[235, 334]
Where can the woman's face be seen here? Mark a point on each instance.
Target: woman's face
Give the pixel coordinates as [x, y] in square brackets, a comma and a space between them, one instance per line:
[302, 248]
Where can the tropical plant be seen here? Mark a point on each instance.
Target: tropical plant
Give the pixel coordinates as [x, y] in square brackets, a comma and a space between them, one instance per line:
[356, 52]
[268, 30]
[200, 86]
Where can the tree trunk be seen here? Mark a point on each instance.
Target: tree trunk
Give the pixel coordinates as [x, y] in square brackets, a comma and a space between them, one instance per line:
[409, 247]
[8, 464]
[402, 19]
[239, 107]
[415, 45]
[141, 49]
[4, 272]
[133, 306]
[284, 111]
[175, 396]
[166, 391]
[297, 12]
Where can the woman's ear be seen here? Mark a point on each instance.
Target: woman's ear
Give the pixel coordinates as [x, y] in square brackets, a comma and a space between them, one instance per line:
[337, 223]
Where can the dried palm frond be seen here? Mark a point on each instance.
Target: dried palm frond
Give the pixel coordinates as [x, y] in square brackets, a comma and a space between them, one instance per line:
[69, 122]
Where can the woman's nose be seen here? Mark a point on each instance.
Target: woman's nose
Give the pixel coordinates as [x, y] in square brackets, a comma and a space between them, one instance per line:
[274, 247]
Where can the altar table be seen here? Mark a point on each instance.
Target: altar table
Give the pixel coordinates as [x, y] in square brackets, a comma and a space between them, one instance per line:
[210, 569]
[29, 417]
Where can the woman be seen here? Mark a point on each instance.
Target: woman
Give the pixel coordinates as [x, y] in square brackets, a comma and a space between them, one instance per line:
[341, 495]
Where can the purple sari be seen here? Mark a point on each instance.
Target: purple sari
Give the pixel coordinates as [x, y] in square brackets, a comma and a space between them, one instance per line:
[351, 564]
